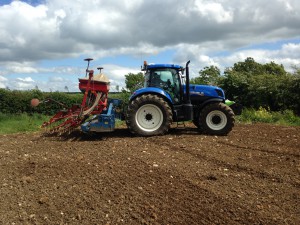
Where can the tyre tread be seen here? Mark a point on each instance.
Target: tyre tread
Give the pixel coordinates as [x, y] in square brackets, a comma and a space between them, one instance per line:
[135, 104]
[216, 106]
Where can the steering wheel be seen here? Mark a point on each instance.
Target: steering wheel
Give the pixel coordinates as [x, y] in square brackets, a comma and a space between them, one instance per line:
[168, 85]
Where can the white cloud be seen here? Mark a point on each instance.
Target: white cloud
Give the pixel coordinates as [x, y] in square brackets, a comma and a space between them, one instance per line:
[25, 80]
[288, 55]
[195, 29]
[56, 79]
[26, 83]
[59, 29]
[116, 74]
[2, 79]
[3, 82]
[214, 11]
[290, 50]
[22, 69]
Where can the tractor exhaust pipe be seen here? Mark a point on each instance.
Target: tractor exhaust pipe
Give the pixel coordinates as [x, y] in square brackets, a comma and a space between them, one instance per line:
[187, 83]
[187, 107]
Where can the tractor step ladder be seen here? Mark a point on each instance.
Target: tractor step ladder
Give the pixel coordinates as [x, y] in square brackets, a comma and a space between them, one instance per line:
[180, 124]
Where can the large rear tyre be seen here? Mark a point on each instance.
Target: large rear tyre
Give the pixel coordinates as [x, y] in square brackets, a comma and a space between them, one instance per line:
[149, 115]
[216, 119]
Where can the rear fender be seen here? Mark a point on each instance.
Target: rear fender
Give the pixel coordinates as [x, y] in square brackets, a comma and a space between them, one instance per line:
[152, 90]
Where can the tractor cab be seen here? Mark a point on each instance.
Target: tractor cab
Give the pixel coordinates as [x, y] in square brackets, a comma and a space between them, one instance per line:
[168, 77]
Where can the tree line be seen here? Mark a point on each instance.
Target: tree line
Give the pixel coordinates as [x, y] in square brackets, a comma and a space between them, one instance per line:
[256, 85]
[250, 83]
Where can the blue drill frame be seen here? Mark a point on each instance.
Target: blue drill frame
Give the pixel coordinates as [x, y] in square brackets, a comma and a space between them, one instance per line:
[104, 122]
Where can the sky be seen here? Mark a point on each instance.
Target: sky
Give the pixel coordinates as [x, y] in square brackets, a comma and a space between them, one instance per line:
[43, 43]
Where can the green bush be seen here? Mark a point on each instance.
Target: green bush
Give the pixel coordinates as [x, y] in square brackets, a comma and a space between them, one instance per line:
[287, 117]
[16, 102]
[257, 85]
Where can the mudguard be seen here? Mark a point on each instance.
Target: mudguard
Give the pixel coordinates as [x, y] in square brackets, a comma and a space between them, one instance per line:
[151, 90]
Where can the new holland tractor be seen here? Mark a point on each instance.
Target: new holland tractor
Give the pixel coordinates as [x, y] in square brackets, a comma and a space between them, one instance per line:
[167, 97]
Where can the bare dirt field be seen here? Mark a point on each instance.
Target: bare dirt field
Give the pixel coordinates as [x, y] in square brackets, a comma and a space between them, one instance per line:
[251, 176]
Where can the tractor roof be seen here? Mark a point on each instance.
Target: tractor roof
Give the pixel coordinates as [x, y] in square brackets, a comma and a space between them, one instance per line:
[154, 66]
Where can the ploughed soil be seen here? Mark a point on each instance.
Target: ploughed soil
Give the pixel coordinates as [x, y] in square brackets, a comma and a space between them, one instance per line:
[251, 176]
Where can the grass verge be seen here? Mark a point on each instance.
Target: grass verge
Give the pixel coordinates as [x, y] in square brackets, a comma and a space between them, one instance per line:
[21, 123]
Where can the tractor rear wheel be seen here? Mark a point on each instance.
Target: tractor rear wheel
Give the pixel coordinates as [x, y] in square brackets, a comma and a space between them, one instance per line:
[216, 119]
[149, 115]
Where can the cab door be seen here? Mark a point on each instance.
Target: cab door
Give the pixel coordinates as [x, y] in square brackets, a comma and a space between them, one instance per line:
[167, 79]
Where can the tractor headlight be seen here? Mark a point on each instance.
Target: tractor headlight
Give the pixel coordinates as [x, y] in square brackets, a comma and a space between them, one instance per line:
[220, 93]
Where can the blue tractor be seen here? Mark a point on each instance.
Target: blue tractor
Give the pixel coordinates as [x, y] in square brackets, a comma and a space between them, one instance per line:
[168, 96]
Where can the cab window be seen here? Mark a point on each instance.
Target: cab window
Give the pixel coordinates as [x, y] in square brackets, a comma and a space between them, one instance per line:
[166, 79]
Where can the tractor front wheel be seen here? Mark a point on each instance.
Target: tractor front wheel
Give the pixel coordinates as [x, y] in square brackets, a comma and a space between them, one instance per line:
[149, 115]
[216, 119]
